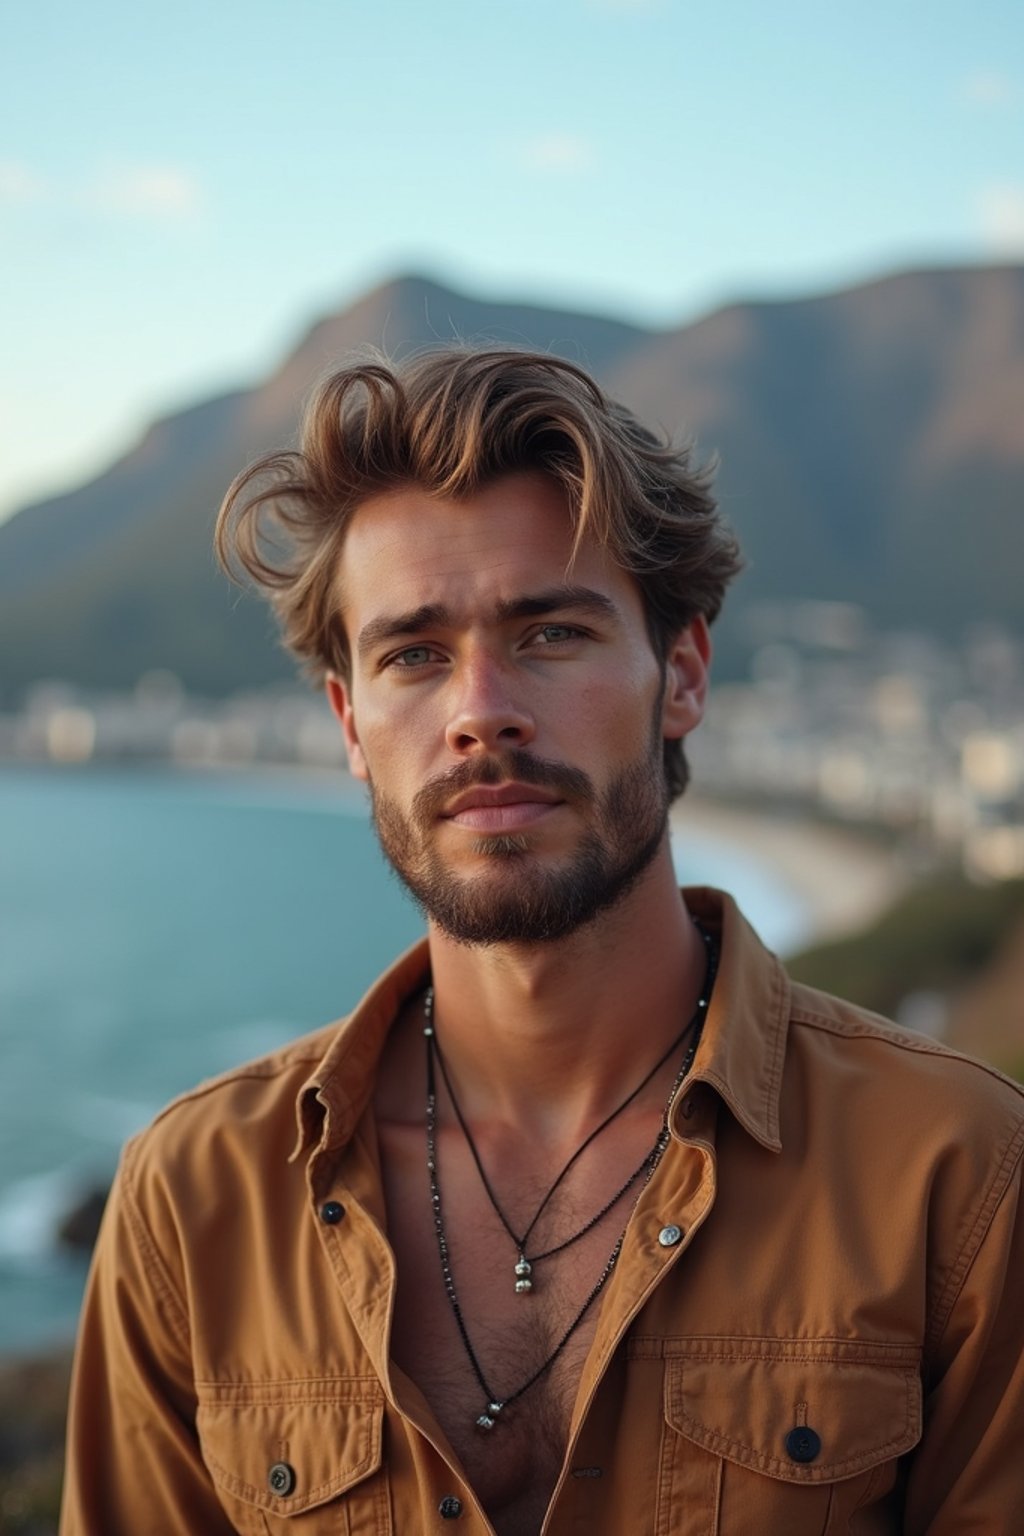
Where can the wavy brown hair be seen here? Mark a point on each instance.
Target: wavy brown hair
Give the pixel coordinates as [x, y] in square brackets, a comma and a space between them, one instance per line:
[450, 421]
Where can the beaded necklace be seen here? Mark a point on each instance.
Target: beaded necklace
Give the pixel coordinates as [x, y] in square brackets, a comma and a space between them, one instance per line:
[488, 1418]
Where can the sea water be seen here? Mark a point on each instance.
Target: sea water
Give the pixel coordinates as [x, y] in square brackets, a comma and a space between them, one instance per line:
[158, 927]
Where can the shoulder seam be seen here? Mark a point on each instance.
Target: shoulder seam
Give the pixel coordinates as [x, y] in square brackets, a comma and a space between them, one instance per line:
[258, 1071]
[874, 1027]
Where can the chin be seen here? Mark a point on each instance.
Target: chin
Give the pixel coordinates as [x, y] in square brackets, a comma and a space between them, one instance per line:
[504, 845]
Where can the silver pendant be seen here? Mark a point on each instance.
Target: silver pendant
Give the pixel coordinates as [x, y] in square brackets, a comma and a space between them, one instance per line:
[524, 1269]
[488, 1420]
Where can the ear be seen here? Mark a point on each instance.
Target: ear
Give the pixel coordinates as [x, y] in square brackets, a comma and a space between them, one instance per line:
[686, 680]
[340, 700]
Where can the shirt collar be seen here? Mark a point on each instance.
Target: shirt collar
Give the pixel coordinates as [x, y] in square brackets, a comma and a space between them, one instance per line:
[743, 1046]
[741, 1052]
[331, 1102]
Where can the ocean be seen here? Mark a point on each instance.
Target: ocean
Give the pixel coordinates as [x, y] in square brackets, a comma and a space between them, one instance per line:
[159, 927]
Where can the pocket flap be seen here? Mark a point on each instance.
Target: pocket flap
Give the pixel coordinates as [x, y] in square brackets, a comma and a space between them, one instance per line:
[804, 1411]
[287, 1446]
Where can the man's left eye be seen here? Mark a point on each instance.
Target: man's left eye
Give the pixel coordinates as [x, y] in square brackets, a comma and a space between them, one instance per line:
[413, 656]
[552, 633]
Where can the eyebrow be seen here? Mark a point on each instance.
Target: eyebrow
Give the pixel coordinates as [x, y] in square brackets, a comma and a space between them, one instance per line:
[562, 599]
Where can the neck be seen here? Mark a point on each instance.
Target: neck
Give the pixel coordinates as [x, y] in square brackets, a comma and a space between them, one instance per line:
[546, 1037]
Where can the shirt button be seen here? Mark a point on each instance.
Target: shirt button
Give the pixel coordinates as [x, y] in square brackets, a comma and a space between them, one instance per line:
[670, 1235]
[802, 1444]
[281, 1478]
[450, 1508]
[332, 1212]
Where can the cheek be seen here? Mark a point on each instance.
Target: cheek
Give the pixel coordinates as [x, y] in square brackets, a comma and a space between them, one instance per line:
[618, 710]
[389, 747]
[599, 742]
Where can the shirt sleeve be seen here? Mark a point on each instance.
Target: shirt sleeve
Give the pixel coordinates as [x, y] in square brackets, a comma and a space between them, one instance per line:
[133, 1459]
[968, 1472]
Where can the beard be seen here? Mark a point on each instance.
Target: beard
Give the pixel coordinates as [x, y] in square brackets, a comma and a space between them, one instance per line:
[519, 900]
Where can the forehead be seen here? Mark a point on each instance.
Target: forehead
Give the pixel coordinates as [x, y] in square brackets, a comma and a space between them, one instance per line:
[407, 548]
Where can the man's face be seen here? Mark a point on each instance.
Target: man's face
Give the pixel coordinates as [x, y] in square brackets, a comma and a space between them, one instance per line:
[506, 709]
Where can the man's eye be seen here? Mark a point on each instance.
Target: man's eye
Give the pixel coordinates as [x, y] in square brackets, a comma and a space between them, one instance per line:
[552, 634]
[412, 656]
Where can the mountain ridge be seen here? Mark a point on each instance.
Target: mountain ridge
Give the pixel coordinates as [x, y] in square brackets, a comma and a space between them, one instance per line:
[871, 448]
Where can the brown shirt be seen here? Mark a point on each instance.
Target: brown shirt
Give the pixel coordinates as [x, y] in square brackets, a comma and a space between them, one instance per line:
[815, 1325]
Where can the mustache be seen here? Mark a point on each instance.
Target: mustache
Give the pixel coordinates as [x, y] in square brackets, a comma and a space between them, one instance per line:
[522, 767]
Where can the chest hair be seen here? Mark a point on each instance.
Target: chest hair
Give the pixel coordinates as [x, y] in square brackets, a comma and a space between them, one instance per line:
[513, 1468]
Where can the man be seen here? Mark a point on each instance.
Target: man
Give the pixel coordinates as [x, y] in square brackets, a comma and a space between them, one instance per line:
[586, 1220]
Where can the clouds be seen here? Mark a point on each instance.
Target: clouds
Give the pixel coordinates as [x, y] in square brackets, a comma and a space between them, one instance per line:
[1001, 218]
[998, 203]
[161, 194]
[19, 184]
[556, 154]
[988, 89]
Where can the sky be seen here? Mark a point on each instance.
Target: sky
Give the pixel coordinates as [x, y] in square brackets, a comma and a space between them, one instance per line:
[184, 189]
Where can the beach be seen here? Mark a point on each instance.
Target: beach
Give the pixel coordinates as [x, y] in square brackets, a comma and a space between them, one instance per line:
[841, 879]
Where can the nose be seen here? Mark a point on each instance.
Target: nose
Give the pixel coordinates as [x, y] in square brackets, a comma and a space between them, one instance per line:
[486, 715]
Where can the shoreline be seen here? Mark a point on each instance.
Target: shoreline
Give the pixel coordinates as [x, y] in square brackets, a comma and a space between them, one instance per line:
[842, 878]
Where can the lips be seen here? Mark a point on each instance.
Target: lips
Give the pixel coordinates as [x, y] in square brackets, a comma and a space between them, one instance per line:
[503, 808]
[514, 785]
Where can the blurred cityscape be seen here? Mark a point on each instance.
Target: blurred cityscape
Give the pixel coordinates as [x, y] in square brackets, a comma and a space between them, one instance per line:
[894, 732]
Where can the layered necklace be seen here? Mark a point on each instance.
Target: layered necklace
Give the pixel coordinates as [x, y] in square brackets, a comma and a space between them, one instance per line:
[524, 1264]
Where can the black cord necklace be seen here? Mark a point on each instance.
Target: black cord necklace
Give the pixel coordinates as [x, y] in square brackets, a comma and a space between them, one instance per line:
[525, 1263]
[488, 1418]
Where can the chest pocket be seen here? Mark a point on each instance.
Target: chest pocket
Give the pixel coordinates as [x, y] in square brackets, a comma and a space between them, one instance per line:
[784, 1437]
[297, 1458]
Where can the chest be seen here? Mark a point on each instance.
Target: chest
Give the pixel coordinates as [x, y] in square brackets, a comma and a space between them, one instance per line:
[465, 1337]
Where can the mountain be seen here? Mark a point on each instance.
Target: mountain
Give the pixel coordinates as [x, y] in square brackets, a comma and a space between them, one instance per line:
[871, 447]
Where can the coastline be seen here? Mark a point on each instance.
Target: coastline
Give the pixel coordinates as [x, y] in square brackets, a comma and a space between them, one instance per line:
[841, 878]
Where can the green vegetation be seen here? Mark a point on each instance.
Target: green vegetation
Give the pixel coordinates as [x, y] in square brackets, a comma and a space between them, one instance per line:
[33, 1399]
[940, 936]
